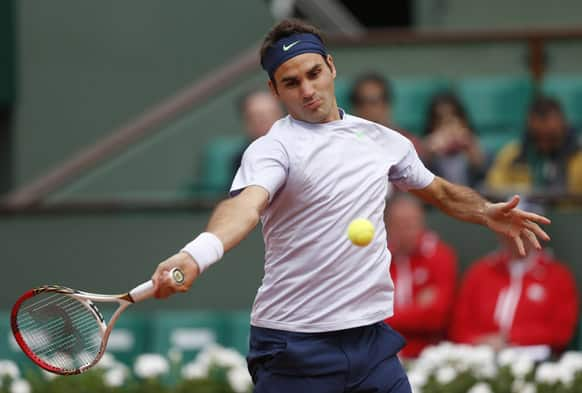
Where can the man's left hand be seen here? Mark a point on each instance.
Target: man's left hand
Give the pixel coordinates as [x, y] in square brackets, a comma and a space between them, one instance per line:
[519, 226]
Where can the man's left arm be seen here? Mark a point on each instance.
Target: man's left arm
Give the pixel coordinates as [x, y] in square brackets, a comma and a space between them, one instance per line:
[502, 218]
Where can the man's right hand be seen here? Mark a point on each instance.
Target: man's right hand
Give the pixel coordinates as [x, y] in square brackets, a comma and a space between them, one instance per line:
[164, 285]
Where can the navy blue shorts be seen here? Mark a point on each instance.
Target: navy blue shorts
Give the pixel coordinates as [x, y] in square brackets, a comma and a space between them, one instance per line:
[361, 359]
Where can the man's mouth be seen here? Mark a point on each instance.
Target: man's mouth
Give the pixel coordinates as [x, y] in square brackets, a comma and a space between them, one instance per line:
[313, 104]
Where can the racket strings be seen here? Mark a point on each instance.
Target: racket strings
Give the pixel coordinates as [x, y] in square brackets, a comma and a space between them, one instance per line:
[60, 329]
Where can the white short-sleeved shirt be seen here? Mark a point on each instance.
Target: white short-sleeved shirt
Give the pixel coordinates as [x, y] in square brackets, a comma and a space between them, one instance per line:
[320, 177]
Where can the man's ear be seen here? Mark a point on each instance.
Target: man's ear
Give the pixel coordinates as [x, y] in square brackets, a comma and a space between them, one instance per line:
[331, 64]
[273, 88]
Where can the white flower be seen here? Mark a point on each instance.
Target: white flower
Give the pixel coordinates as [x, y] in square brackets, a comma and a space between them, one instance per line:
[446, 374]
[522, 366]
[8, 369]
[107, 361]
[520, 386]
[548, 373]
[417, 378]
[175, 355]
[195, 370]
[481, 387]
[507, 356]
[20, 386]
[528, 388]
[415, 389]
[481, 361]
[116, 375]
[517, 385]
[571, 360]
[224, 357]
[151, 365]
[239, 379]
[565, 375]
[433, 357]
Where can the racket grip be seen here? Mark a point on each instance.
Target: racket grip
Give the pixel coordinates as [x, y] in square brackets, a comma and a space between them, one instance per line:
[146, 290]
[142, 291]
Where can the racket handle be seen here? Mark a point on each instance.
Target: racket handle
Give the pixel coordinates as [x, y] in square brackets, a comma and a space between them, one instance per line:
[146, 290]
[142, 291]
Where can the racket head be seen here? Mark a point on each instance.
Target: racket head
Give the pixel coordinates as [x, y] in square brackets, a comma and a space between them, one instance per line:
[58, 329]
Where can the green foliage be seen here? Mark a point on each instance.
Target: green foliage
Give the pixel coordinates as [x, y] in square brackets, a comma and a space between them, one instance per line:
[5, 384]
[203, 386]
[89, 382]
[461, 384]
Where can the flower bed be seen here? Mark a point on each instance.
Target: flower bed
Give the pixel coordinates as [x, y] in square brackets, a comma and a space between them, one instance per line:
[215, 370]
[446, 368]
[449, 368]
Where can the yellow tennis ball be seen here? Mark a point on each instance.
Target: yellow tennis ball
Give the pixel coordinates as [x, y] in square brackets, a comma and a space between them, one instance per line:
[361, 232]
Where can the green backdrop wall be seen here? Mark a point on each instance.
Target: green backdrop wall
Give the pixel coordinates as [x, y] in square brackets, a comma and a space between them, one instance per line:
[86, 67]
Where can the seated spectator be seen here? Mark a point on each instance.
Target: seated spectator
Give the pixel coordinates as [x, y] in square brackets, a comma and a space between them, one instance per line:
[371, 99]
[222, 156]
[549, 158]
[258, 110]
[452, 149]
[506, 300]
[424, 273]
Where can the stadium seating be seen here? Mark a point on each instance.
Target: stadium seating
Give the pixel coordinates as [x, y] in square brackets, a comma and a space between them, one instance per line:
[216, 172]
[496, 104]
[568, 90]
[411, 97]
[491, 141]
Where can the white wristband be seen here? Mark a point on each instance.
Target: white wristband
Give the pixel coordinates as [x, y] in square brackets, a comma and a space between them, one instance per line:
[206, 250]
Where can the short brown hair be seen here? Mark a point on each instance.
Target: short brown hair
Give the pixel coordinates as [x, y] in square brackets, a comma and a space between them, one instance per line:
[286, 28]
[542, 106]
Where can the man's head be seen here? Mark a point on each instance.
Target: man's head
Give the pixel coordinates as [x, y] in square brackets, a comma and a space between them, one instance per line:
[547, 125]
[371, 98]
[259, 110]
[404, 218]
[301, 73]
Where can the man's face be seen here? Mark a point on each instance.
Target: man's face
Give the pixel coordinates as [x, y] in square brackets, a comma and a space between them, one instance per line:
[260, 112]
[547, 131]
[405, 225]
[371, 103]
[304, 84]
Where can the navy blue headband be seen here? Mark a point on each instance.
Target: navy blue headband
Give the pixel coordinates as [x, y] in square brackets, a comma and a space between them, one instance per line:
[289, 47]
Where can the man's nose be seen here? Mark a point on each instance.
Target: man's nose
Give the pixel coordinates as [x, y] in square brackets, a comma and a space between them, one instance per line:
[307, 89]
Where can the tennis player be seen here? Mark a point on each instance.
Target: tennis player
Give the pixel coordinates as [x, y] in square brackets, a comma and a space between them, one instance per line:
[317, 320]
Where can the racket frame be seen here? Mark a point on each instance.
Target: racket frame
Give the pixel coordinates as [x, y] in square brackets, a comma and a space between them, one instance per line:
[86, 299]
[137, 294]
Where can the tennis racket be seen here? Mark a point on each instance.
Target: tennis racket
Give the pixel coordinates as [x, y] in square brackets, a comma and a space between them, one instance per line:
[62, 330]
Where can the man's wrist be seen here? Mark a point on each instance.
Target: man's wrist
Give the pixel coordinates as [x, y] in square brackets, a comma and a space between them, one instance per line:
[205, 250]
[193, 261]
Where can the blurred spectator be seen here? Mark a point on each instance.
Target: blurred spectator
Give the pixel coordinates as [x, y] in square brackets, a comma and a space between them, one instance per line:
[452, 149]
[506, 300]
[221, 158]
[424, 272]
[549, 157]
[258, 110]
[371, 99]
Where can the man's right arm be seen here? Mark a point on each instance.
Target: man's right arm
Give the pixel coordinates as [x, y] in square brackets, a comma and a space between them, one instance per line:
[232, 220]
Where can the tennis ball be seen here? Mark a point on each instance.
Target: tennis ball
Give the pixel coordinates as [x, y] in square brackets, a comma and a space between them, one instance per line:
[361, 232]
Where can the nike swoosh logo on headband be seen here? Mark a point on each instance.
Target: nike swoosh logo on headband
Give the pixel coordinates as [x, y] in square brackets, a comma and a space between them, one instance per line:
[291, 45]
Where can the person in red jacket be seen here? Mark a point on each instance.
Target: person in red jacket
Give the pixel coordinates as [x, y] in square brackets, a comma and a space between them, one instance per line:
[424, 273]
[506, 300]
